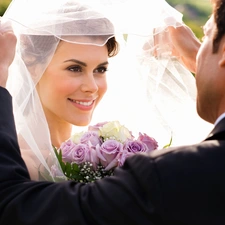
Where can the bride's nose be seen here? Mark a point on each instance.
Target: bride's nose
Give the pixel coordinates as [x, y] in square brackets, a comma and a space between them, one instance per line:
[89, 83]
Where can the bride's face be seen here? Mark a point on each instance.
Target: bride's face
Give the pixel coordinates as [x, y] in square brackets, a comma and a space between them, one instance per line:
[74, 83]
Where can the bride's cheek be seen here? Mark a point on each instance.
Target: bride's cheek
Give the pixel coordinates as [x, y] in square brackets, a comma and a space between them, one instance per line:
[103, 85]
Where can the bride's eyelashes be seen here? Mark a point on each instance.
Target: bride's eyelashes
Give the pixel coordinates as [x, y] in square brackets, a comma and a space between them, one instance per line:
[78, 69]
[75, 68]
[101, 69]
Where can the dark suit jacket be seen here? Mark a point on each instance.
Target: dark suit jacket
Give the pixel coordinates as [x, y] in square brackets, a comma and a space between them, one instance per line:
[184, 185]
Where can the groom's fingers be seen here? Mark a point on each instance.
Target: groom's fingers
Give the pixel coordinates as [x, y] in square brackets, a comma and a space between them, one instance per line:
[186, 44]
[7, 45]
[177, 41]
[5, 25]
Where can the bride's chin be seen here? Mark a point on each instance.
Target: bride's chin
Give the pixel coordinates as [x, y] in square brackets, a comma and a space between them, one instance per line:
[82, 123]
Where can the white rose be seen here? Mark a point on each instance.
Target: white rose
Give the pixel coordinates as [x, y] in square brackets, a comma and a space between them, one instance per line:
[76, 137]
[114, 130]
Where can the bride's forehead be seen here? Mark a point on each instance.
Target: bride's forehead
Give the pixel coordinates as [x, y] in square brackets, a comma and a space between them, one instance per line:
[67, 50]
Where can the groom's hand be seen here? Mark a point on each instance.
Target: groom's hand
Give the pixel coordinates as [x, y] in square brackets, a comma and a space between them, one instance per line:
[7, 52]
[181, 42]
[185, 45]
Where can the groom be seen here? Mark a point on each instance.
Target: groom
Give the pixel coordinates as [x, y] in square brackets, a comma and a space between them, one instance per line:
[175, 186]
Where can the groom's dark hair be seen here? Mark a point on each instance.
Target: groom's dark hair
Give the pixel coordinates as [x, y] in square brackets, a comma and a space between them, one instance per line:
[219, 17]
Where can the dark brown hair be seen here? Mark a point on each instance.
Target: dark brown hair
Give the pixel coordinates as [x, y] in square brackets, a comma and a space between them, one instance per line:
[112, 46]
[219, 17]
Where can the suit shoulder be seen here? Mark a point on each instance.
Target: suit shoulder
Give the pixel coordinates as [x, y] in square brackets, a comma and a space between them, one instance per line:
[201, 149]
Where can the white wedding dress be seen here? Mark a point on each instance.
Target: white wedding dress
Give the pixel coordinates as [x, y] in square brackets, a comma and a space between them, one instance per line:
[148, 94]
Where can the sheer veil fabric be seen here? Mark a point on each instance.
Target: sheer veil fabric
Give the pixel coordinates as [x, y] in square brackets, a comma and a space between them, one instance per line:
[148, 89]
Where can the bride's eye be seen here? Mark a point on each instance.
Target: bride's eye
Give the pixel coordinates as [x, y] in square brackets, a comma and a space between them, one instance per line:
[100, 70]
[75, 68]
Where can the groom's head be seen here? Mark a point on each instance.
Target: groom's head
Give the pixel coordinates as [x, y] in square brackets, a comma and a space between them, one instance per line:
[210, 74]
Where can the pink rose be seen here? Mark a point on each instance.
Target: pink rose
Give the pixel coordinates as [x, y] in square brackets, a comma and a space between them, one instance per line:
[151, 143]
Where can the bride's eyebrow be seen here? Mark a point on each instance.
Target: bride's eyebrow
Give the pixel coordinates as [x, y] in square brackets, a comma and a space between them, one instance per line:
[83, 63]
[76, 61]
[104, 63]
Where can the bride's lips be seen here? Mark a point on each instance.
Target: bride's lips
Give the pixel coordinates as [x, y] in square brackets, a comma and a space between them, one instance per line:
[85, 105]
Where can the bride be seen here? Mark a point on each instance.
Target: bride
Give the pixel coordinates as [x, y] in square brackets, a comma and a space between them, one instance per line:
[58, 77]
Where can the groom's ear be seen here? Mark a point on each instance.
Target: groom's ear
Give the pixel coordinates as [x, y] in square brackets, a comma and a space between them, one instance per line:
[222, 60]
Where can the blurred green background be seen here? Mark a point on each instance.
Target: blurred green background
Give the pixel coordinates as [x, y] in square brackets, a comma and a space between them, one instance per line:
[3, 6]
[195, 12]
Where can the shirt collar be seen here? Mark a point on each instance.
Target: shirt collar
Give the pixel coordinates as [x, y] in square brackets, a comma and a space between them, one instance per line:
[219, 118]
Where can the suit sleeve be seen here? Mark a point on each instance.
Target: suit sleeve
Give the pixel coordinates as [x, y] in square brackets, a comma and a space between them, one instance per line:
[125, 198]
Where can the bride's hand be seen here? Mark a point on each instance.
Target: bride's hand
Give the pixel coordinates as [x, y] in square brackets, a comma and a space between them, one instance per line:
[181, 42]
[7, 45]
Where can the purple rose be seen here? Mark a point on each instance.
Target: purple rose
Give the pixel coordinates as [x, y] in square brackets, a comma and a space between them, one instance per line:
[56, 172]
[66, 148]
[90, 137]
[135, 146]
[93, 158]
[80, 153]
[123, 156]
[96, 126]
[109, 153]
[151, 143]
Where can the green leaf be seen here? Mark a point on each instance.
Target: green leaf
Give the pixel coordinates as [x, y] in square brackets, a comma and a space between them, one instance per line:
[169, 144]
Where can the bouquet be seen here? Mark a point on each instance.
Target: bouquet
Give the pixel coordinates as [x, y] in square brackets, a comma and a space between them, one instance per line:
[94, 154]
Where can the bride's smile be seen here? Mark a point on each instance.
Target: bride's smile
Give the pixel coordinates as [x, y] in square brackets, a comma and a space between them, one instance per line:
[83, 105]
[73, 76]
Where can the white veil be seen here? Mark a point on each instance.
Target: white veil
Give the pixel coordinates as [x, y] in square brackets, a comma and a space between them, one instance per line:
[149, 94]
[152, 93]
